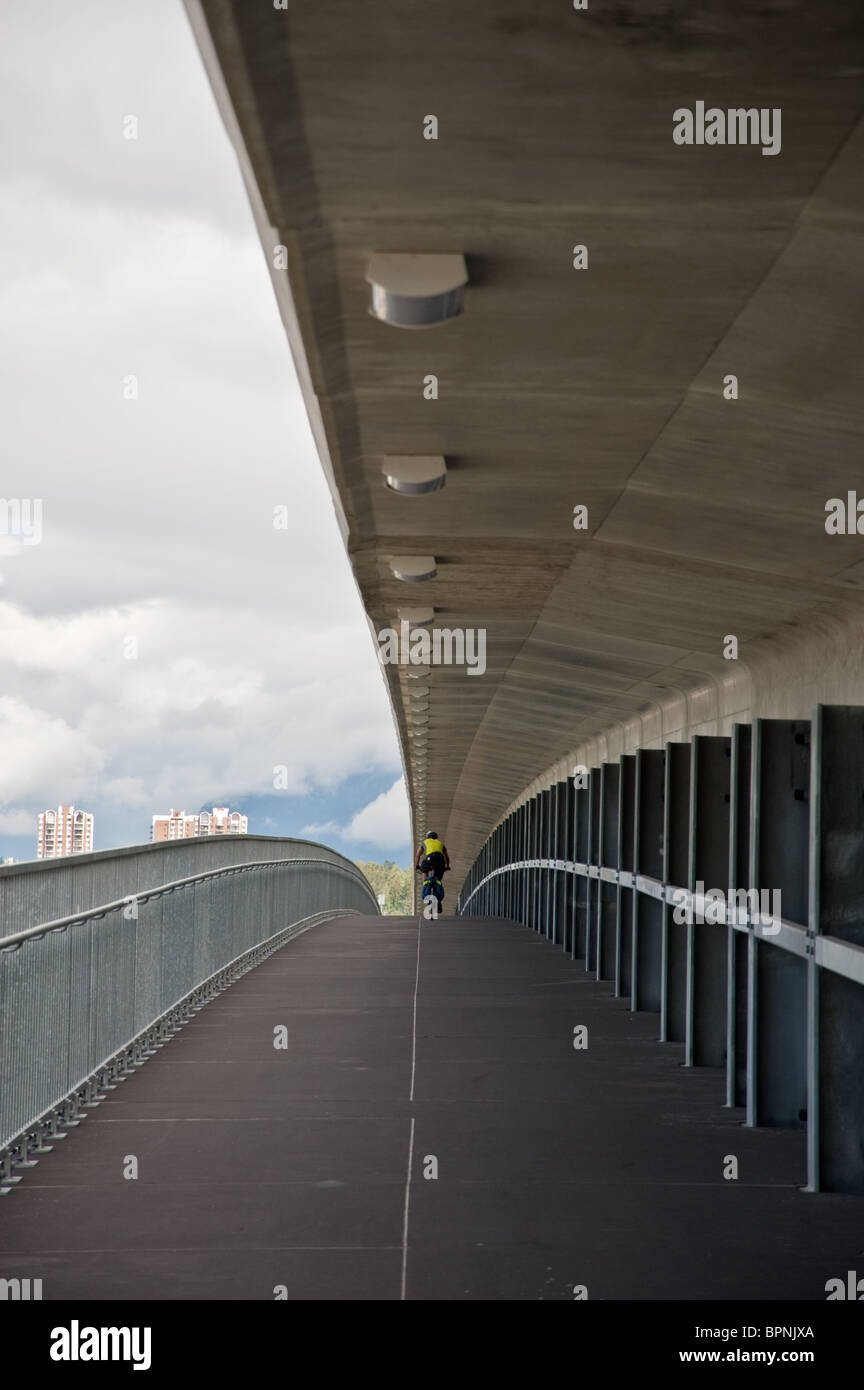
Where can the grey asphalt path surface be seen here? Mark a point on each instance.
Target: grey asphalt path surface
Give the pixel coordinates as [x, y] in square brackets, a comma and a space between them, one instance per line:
[428, 1132]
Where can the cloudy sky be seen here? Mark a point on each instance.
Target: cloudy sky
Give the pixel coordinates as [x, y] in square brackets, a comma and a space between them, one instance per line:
[163, 644]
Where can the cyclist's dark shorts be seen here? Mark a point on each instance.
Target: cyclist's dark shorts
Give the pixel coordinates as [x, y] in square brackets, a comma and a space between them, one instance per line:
[434, 861]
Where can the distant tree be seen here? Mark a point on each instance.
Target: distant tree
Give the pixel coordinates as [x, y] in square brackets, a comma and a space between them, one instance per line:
[396, 884]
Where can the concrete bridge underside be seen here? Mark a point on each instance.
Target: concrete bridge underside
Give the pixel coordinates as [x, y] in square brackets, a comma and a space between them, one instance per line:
[601, 387]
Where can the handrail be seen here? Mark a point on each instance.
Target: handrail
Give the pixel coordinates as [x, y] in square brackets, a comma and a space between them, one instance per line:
[841, 957]
[99, 993]
[143, 895]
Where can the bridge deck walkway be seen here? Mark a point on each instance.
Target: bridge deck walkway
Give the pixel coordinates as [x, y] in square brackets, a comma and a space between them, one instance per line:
[263, 1167]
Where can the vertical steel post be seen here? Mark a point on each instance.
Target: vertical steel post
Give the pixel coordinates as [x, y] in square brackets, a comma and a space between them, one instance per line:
[549, 853]
[559, 889]
[780, 865]
[510, 876]
[648, 861]
[538, 854]
[593, 859]
[528, 855]
[625, 964]
[676, 869]
[565, 878]
[607, 893]
[736, 944]
[836, 1106]
[572, 855]
[705, 1040]
[582, 855]
[524, 855]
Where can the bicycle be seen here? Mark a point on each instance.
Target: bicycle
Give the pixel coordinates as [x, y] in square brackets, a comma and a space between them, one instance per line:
[432, 891]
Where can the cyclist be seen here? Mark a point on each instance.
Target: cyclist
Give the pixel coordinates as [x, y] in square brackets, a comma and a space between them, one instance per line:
[433, 861]
[432, 854]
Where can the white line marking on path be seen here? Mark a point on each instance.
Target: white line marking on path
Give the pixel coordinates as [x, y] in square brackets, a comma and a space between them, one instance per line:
[407, 1204]
[414, 1026]
[405, 1216]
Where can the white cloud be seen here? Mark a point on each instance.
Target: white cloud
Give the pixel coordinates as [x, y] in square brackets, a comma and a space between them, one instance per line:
[210, 701]
[253, 650]
[17, 823]
[320, 832]
[41, 752]
[384, 823]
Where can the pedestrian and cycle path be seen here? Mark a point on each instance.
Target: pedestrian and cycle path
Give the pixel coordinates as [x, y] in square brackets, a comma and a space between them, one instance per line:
[393, 1108]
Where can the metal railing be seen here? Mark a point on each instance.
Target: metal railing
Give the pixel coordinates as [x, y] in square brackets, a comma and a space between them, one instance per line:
[87, 996]
[641, 868]
[842, 957]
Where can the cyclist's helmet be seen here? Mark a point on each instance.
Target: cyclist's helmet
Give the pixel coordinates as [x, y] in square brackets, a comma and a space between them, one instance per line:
[431, 835]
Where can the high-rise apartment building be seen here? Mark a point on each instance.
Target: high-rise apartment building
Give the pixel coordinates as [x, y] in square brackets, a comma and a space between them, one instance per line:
[64, 831]
[218, 821]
